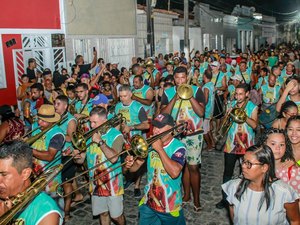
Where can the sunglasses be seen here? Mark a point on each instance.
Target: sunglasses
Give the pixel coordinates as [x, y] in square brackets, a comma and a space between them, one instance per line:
[249, 164]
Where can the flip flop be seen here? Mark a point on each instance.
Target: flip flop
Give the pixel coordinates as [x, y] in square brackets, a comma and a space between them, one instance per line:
[197, 209]
[74, 203]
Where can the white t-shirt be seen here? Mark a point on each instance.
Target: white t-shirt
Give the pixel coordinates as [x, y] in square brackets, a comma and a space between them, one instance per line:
[247, 210]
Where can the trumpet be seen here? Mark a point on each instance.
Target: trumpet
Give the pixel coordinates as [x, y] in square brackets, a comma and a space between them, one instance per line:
[139, 148]
[237, 115]
[79, 139]
[22, 199]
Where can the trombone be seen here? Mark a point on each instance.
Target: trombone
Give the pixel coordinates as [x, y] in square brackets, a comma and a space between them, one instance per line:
[79, 140]
[237, 115]
[22, 199]
[34, 138]
[139, 148]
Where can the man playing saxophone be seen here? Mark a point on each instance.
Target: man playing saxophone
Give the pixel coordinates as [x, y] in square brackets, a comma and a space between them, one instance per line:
[15, 172]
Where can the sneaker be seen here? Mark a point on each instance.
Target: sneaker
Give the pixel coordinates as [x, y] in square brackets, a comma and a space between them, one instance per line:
[137, 193]
[221, 204]
[127, 184]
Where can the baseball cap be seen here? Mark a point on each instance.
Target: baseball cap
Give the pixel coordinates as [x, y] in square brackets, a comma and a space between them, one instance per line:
[215, 63]
[233, 62]
[236, 77]
[162, 120]
[85, 75]
[100, 98]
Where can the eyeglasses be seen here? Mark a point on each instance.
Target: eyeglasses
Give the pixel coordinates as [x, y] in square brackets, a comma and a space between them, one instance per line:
[248, 163]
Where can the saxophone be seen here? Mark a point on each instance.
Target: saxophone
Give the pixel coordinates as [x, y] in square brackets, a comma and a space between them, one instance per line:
[21, 200]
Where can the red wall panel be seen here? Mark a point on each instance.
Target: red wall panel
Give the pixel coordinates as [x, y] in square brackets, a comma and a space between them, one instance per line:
[35, 14]
[8, 95]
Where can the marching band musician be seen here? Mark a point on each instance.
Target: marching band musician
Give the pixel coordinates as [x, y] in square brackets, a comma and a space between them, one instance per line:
[192, 112]
[48, 148]
[162, 201]
[136, 122]
[15, 171]
[69, 170]
[240, 136]
[107, 189]
[84, 104]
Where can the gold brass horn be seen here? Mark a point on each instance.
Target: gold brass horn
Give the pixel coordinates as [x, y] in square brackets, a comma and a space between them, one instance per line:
[237, 115]
[79, 139]
[34, 138]
[22, 199]
[71, 107]
[185, 92]
[139, 148]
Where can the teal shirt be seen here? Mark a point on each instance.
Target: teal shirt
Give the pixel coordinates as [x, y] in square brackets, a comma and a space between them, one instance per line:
[87, 108]
[130, 113]
[68, 147]
[42, 144]
[142, 93]
[219, 81]
[211, 98]
[270, 94]
[246, 75]
[41, 206]
[186, 114]
[260, 81]
[166, 194]
[110, 184]
[272, 61]
[203, 67]
[231, 90]
[240, 136]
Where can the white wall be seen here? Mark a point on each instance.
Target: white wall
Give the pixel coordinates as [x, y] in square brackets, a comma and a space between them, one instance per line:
[163, 32]
[194, 35]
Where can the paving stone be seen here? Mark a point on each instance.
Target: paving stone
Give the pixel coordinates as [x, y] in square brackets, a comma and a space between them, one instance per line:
[211, 171]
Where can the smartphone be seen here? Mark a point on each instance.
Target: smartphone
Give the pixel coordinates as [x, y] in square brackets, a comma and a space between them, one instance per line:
[94, 49]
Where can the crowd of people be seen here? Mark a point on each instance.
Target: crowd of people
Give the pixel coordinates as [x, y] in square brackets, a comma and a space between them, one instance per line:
[90, 117]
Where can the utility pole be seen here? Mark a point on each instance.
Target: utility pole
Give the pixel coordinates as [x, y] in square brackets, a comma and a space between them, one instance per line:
[150, 29]
[169, 4]
[186, 29]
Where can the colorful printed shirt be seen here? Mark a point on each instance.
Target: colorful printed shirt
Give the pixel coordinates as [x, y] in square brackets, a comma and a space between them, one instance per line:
[111, 181]
[142, 93]
[240, 136]
[163, 193]
[260, 82]
[53, 137]
[270, 94]
[146, 76]
[87, 107]
[218, 80]
[186, 113]
[209, 108]
[133, 113]
[246, 75]
[40, 207]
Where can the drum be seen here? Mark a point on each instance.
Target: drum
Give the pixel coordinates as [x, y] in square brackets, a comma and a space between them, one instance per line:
[267, 116]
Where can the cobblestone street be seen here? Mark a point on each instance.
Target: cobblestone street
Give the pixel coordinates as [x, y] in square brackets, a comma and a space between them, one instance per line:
[211, 171]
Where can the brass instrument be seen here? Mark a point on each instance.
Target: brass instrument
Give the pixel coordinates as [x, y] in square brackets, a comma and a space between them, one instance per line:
[22, 199]
[79, 139]
[71, 107]
[237, 115]
[185, 92]
[139, 148]
[80, 124]
[34, 138]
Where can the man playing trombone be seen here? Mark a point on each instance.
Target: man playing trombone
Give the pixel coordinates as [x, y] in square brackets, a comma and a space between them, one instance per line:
[107, 187]
[190, 110]
[48, 147]
[15, 174]
[240, 134]
[162, 201]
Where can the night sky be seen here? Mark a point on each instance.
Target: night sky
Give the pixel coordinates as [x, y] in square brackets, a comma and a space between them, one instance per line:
[283, 10]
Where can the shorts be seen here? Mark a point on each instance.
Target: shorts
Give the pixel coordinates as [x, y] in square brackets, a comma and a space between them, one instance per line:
[69, 169]
[111, 204]
[193, 148]
[149, 216]
[206, 126]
